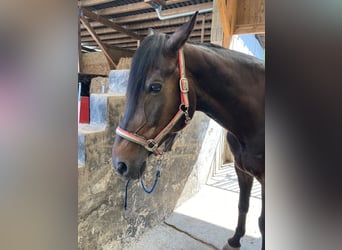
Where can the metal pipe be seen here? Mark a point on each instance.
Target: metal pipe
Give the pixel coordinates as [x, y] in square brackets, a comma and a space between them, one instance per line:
[159, 10]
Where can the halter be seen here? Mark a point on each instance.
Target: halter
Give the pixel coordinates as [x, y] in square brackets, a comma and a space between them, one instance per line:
[153, 144]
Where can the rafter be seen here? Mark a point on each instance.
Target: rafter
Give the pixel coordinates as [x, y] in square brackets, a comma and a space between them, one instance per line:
[132, 7]
[101, 29]
[99, 43]
[86, 36]
[123, 42]
[108, 23]
[127, 39]
[93, 2]
[169, 12]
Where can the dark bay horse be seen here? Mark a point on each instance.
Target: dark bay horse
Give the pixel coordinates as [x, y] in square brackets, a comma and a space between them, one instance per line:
[170, 78]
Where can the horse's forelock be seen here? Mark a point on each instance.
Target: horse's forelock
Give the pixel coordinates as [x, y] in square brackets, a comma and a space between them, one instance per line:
[145, 58]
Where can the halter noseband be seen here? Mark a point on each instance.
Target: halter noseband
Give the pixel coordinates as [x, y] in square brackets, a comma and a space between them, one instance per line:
[153, 144]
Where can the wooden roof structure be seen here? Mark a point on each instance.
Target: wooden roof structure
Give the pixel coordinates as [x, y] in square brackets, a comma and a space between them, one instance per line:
[121, 24]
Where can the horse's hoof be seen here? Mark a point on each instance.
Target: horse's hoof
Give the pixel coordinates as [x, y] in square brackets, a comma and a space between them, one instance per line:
[228, 247]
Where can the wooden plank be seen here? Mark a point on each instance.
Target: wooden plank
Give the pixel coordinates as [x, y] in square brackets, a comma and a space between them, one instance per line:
[249, 29]
[98, 41]
[79, 48]
[123, 42]
[202, 28]
[127, 39]
[149, 23]
[101, 29]
[227, 12]
[124, 8]
[248, 17]
[251, 13]
[216, 26]
[93, 2]
[104, 37]
[108, 32]
[132, 7]
[160, 2]
[108, 23]
[174, 11]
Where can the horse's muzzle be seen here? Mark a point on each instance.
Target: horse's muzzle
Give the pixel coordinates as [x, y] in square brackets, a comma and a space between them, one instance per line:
[128, 172]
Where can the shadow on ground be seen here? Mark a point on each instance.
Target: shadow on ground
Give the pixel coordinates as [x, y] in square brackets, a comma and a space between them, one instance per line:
[181, 232]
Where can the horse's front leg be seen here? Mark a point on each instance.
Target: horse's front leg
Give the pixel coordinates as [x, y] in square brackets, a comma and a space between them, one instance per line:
[245, 184]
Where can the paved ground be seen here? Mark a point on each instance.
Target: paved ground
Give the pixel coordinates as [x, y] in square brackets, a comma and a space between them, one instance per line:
[207, 219]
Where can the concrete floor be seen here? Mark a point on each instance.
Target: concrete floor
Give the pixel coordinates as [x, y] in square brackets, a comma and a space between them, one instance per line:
[207, 219]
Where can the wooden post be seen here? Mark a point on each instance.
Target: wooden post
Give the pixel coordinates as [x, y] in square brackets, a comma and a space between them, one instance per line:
[202, 28]
[79, 48]
[227, 10]
[216, 31]
[250, 17]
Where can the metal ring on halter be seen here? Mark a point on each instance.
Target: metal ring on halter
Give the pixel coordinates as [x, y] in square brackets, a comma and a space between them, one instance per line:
[183, 108]
[185, 111]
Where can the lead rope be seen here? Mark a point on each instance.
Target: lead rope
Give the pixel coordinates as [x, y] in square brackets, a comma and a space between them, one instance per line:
[148, 191]
[126, 194]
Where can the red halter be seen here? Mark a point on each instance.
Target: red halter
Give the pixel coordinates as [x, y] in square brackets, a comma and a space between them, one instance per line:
[153, 144]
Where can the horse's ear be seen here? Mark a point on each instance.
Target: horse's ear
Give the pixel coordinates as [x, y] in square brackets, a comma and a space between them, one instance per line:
[177, 39]
[150, 32]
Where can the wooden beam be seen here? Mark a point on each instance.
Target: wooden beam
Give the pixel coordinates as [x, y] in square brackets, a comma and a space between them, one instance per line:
[100, 28]
[250, 29]
[79, 48]
[127, 39]
[112, 65]
[108, 23]
[93, 2]
[227, 12]
[202, 28]
[250, 16]
[133, 43]
[132, 7]
[151, 15]
[160, 2]
[123, 8]
[104, 37]
[216, 26]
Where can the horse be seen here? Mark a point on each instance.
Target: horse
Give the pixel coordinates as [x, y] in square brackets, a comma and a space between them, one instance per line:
[164, 91]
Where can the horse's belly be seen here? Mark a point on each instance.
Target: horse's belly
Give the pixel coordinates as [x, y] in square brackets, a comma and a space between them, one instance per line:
[247, 158]
[253, 164]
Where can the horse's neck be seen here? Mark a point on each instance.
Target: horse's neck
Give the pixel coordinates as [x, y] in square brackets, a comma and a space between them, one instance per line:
[227, 90]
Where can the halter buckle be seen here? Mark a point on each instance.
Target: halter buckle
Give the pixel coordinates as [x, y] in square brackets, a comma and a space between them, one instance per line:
[151, 145]
[184, 85]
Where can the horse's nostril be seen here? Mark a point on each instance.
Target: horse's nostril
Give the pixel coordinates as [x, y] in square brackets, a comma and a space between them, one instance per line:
[121, 168]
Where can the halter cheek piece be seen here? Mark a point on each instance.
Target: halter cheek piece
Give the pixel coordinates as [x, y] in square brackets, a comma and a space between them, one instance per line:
[153, 144]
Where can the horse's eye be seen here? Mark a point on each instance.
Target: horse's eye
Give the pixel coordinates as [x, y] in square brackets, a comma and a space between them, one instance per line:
[155, 87]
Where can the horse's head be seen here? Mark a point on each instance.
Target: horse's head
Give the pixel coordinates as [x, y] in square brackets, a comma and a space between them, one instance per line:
[156, 106]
